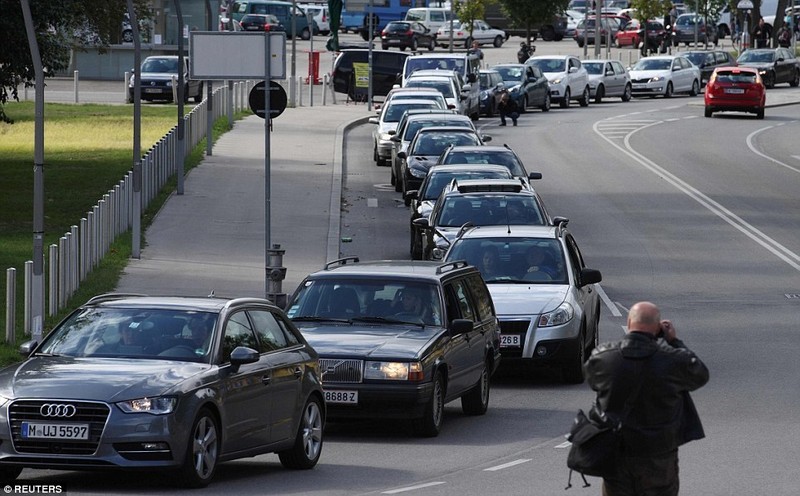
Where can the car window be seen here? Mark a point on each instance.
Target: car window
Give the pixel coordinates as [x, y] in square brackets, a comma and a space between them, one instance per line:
[481, 297]
[508, 260]
[444, 86]
[238, 332]
[270, 335]
[461, 295]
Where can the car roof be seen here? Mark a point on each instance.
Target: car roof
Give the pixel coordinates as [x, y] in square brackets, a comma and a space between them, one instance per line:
[440, 129]
[481, 148]
[512, 231]
[433, 73]
[466, 186]
[397, 269]
[209, 304]
[434, 116]
[466, 168]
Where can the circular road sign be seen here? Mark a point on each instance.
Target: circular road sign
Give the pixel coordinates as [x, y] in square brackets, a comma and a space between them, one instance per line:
[277, 99]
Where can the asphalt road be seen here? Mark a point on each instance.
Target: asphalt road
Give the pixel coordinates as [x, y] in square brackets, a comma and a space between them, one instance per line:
[698, 215]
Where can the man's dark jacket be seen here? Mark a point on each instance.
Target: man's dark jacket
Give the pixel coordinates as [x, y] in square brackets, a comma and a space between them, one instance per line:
[663, 416]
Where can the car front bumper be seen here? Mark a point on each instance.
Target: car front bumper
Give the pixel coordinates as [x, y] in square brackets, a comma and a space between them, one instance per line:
[555, 345]
[649, 88]
[389, 401]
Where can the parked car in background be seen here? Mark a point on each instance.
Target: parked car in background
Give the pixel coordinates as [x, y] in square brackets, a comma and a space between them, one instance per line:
[545, 296]
[387, 67]
[736, 89]
[260, 22]
[608, 78]
[665, 75]
[481, 32]
[633, 34]
[708, 60]
[688, 25]
[136, 382]
[431, 17]
[586, 31]
[486, 154]
[526, 84]
[407, 34]
[289, 15]
[156, 78]
[775, 65]
[320, 14]
[567, 76]
[398, 340]
[437, 179]
[492, 88]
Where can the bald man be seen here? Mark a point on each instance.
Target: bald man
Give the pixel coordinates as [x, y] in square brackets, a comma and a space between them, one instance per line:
[651, 378]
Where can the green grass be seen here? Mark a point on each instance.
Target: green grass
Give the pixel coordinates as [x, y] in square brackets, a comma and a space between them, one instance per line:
[88, 150]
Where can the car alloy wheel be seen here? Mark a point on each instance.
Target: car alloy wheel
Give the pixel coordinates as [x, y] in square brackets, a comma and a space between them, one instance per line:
[573, 372]
[430, 423]
[599, 94]
[626, 95]
[476, 401]
[668, 92]
[564, 103]
[308, 443]
[695, 88]
[547, 103]
[202, 452]
[584, 101]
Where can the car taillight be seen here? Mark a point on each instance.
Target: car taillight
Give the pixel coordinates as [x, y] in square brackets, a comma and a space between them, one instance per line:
[267, 27]
[409, 33]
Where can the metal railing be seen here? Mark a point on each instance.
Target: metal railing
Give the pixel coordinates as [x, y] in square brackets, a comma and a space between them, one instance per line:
[81, 249]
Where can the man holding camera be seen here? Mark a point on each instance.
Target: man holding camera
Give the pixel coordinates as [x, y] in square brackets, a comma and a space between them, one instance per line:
[644, 383]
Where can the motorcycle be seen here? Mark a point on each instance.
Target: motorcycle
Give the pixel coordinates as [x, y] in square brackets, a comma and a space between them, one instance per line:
[525, 51]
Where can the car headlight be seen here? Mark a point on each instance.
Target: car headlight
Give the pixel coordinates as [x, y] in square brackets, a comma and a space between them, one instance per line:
[560, 316]
[484, 95]
[514, 89]
[418, 172]
[393, 371]
[384, 136]
[160, 405]
[656, 79]
[556, 81]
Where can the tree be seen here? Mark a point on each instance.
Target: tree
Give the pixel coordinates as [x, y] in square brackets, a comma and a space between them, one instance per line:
[526, 14]
[468, 11]
[60, 25]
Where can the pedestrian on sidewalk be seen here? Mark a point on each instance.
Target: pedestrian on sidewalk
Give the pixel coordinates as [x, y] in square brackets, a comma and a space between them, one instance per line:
[646, 378]
[507, 108]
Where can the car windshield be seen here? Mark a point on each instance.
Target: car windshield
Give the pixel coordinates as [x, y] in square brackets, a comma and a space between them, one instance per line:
[697, 58]
[395, 109]
[653, 65]
[513, 260]
[367, 300]
[756, 56]
[736, 77]
[414, 126]
[160, 65]
[489, 210]
[505, 158]
[434, 97]
[434, 143]
[397, 27]
[443, 86]
[134, 332]
[510, 73]
[549, 65]
[436, 181]
[424, 63]
[594, 67]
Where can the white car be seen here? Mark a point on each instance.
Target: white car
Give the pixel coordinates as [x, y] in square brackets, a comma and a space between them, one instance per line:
[388, 117]
[665, 75]
[481, 32]
[320, 14]
[567, 77]
[608, 78]
[448, 83]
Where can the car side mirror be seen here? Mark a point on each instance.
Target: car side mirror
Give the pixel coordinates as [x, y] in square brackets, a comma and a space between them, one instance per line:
[461, 326]
[402, 155]
[572, 70]
[412, 194]
[242, 355]
[422, 222]
[26, 348]
[486, 138]
[535, 175]
[590, 276]
[373, 120]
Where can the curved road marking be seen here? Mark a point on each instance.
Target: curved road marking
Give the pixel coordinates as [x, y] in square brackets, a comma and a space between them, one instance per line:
[753, 149]
[777, 249]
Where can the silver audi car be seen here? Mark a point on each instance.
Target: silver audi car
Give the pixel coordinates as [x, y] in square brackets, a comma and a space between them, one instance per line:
[167, 383]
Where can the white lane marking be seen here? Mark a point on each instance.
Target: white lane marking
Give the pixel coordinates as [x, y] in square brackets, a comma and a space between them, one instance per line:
[565, 444]
[507, 465]
[796, 156]
[413, 488]
[777, 249]
[752, 148]
[607, 301]
[372, 202]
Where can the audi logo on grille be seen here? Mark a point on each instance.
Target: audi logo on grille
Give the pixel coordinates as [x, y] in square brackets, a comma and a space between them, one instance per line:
[59, 410]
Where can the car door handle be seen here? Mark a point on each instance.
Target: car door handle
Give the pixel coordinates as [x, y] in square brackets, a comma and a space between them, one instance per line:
[298, 372]
[266, 379]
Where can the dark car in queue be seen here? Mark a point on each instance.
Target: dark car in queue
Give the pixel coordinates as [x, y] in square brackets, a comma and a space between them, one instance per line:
[174, 384]
[408, 127]
[438, 177]
[775, 65]
[398, 339]
[424, 150]
[479, 202]
[407, 34]
[735, 89]
[526, 85]
[387, 68]
[487, 154]
[491, 91]
[261, 22]
[708, 60]
[157, 75]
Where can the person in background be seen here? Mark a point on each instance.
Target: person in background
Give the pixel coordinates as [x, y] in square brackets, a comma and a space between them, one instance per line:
[475, 49]
[507, 108]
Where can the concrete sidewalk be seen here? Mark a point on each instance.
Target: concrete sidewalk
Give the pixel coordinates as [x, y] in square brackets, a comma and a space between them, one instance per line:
[212, 237]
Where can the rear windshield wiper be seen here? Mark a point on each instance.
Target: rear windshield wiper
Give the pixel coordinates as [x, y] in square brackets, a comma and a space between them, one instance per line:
[311, 318]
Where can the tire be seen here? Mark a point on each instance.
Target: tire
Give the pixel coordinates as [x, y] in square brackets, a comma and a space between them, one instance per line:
[626, 95]
[416, 246]
[547, 103]
[199, 96]
[708, 112]
[9, 474]
[375, 153]
[564, 103]
[695, 88]
[584, 100]
[202, 451]
[476, 401]
[414, 45]
[769, 80]
[795, 82]
[406, 200]
[305, 34]
[573, 373]
[580, 43]
[599, 94]
[386, 47]
[430, 423]
[305, 452]
[760, 114]
[524, 106]
[127, 36]
[498, 41]
[668, 92]
[398, 185]
[431, 45]
[402, 48]
[548, 33]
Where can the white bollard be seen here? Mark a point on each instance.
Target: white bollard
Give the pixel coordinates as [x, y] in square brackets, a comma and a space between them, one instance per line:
[75, 84]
